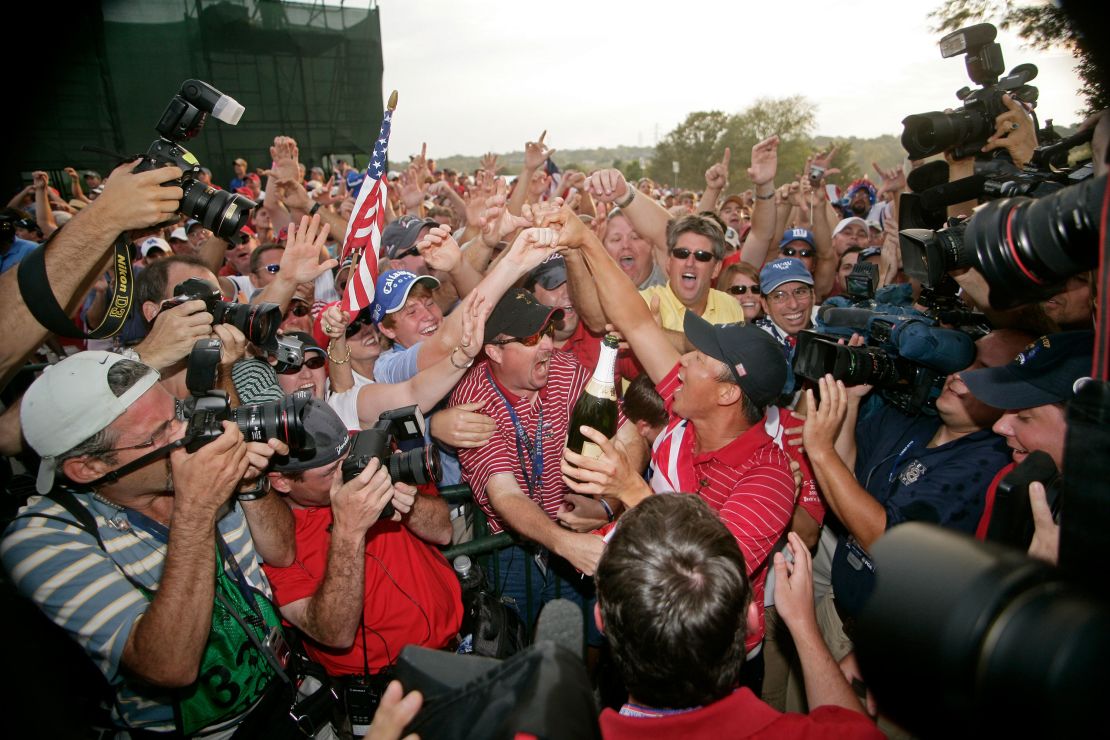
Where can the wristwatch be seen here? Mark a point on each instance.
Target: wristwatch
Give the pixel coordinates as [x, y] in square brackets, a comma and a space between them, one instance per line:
[130, 353]
[628, 199]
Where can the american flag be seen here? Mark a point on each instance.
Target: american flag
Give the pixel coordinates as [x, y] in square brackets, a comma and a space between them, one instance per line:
[365, 227]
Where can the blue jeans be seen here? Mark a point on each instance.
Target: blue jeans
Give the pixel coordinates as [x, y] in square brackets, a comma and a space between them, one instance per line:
[518, 577]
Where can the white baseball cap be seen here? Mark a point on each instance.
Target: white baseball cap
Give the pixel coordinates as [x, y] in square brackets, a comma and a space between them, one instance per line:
[851, 220]
[153, 242]
[70, 402]
[179, 233]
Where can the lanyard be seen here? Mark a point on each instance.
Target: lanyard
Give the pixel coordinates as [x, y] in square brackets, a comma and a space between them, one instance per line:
[898, 462]
[535, 448]
[161, 533]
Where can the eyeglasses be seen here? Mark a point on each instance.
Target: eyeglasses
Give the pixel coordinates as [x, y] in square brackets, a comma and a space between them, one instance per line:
[410, 252]
[780, 296]
[298, 308]
[742, 289]
[530, 341]
[313, 361]
[700, 255]
[790, 252]
[273, 269]
[159, 434]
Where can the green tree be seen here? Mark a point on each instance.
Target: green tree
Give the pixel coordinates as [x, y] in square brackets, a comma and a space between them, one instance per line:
[791, 118]
[695, 144]
[1041, 26]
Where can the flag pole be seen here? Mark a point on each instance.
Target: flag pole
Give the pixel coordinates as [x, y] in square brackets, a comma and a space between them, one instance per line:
[390, 106]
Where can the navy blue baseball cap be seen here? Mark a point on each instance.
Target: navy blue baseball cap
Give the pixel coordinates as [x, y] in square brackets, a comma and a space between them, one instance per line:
[786, 270]
[798, 235]
[753, 357]
[1050, 370]
[392, 290]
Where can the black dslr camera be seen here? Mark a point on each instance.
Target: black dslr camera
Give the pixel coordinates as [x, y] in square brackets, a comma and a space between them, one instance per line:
[206, 409]
[415, 467]
[221, 212]
[259, 322]
[967, 129]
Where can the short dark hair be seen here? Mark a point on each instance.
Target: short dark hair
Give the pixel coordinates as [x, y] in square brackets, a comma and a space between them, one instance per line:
[701, 225]
[673, 592]
[643, 403]
[150, 285]
[256, 255]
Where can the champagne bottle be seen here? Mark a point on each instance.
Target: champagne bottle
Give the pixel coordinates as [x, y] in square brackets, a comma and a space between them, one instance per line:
[597, 405]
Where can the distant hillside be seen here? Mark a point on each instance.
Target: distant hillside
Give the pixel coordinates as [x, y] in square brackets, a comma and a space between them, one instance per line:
[885, 150]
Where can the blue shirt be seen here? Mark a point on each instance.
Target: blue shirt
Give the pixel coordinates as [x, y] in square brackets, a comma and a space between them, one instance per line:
[943, 485]
[19, 249]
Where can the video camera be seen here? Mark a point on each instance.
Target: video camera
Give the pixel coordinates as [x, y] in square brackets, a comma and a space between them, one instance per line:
[906, 358]
[219, 211]
[1024, 247]
[415, 467]
[966, 130]
[206, 408]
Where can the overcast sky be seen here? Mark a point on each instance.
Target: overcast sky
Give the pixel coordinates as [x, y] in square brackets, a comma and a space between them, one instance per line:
[479, 75]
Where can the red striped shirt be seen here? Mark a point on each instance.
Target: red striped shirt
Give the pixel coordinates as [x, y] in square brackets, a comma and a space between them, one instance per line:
[747, 482]
[565, 380]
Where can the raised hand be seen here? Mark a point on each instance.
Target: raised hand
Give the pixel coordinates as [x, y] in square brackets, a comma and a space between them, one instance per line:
[1014, 131]
[293, 194]
[284, 154]
[300, 262]
[535, 153]
[532, 246]
[893, 181]
[173, 334]
[716, 177]
[824, 159]
[607, 185]
[412, 189]
[138, 200]
[440, 250]
[765, 161]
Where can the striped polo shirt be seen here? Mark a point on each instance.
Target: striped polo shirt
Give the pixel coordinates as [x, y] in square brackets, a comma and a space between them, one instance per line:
[83, 589]
[565, 380]
[747, 482]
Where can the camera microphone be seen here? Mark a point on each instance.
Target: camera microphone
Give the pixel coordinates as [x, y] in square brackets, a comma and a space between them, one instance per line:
[951, 193]
[855, 318]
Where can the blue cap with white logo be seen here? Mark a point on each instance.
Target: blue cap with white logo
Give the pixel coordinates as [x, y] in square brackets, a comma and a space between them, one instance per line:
[787, 270]
[392, 290]
[797, 235]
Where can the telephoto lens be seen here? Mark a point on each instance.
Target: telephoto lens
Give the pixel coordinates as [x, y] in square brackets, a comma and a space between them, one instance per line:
[219, 211]
[259, 322]
[282, 420]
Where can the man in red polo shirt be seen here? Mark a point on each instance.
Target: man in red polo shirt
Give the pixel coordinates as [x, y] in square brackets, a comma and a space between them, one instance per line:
[715, 443]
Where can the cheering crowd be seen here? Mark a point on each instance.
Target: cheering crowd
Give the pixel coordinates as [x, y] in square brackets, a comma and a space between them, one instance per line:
[183, 554]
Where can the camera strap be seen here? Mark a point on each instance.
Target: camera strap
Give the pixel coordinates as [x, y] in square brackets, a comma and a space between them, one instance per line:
[34, 286]
[137, 463]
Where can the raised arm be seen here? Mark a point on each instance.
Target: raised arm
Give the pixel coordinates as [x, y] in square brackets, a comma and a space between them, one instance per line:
[765, 163]
[73, 256]
[300, 262]
[535, 154]
[647, 217]
[620, 300]
[716, 180]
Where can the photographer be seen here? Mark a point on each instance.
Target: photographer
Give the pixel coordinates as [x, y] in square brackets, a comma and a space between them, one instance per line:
[147, 558]
[363, 586]
[75, 254]
[906, 468]
[1034, 389]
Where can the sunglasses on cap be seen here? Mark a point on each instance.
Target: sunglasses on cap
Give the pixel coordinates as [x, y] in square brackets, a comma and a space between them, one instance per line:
[313, 361]
[742, 289]
[530, 341]
[790, 252]
[700, 255]
[298, 308]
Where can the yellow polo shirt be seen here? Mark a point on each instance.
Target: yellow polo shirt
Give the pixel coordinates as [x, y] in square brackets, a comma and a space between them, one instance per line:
[721, 308]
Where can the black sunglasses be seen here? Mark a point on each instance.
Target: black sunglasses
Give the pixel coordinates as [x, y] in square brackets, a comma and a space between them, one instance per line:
[700, 255]
[790, 252]
[314, 361]
[742, 289]
[410, 252]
